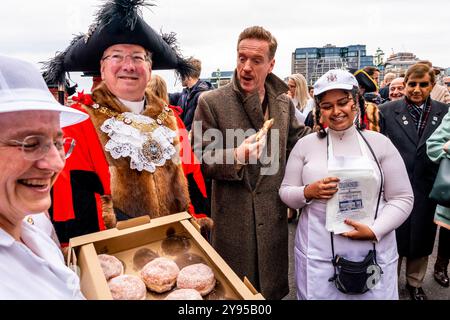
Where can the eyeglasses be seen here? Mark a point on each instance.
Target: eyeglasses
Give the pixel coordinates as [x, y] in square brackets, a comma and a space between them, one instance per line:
[341, 103]
[36, 147]
[117, 58]
[413, 84]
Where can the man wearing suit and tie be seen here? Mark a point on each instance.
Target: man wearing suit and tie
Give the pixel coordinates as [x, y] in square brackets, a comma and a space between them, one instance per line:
[409, 122]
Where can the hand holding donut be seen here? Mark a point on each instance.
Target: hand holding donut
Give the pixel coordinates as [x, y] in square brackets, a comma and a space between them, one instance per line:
[322, 189]
[265, 129]
[249, 150]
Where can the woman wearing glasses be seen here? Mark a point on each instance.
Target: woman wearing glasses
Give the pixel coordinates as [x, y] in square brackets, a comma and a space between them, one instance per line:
[354, 191]
[298, 92]
[32, 154]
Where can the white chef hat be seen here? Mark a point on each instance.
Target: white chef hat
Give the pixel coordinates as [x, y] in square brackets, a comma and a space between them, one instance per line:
[22, 88]
[335, 79]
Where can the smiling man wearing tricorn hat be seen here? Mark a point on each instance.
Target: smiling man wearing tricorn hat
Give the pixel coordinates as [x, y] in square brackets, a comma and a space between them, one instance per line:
[135, 130]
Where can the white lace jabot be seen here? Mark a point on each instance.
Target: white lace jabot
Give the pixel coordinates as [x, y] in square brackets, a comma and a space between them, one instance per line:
[146, 150]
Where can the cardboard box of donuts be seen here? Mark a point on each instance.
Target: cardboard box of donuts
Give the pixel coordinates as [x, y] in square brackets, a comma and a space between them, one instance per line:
[165, 258]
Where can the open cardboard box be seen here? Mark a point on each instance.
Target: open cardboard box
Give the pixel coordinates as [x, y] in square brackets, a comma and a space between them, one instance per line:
[145, 235]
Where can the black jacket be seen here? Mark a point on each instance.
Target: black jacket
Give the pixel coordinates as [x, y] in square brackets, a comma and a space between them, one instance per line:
[415, 237]
[187, 100]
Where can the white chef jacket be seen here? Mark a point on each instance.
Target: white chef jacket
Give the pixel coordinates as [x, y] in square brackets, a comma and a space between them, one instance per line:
[42, 221]
[312, 251]
[35, 270]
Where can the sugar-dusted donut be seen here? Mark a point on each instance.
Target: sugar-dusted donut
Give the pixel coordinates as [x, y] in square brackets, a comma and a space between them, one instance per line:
[184, 294]
[111, 266]
[160, 274]
[197, 276]
[127, 287]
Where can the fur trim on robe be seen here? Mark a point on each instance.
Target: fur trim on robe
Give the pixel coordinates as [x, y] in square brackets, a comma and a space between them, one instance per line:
[134, 192]
[373, 117]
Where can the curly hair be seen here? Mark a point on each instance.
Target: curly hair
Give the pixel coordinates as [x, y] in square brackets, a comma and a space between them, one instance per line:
[361, 111]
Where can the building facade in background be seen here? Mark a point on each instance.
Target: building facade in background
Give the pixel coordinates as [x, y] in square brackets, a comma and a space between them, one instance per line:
[399, 62]
[313, 62]
[220, 78]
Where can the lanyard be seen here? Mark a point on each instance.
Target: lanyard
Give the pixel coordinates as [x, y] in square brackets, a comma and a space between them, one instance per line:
[381, 183]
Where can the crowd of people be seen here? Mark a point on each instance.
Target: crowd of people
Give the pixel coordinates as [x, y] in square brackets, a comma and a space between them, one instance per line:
[355, 162]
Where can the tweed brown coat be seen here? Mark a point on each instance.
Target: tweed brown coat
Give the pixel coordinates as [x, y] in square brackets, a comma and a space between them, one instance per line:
[134, 192]
[251, 231]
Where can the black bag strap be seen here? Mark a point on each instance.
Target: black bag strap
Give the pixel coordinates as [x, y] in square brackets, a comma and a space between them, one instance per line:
[379, 192]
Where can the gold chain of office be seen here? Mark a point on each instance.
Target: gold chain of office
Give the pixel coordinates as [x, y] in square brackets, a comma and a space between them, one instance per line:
[143, 127]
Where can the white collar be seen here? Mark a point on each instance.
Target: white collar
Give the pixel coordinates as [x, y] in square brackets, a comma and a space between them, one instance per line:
[135, 106]
[6, 239]
[340, 134]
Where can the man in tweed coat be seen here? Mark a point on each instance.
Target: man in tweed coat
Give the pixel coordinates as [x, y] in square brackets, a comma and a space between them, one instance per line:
[250, 220]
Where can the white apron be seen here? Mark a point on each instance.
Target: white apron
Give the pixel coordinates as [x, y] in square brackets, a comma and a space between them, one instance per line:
[313, 253]
[358, 189]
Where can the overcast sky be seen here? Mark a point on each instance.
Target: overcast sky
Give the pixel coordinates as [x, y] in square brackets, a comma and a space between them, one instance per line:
[208, 30]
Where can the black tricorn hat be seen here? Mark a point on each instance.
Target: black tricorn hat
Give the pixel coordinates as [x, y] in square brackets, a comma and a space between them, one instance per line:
[117, 22]
[364, 80]
[70, 90]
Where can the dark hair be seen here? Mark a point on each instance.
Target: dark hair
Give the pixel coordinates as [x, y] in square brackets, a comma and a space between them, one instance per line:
[428, 63]
[371, 70]
[420, 70]
[257, 32]
[196, 68]
[359, 100]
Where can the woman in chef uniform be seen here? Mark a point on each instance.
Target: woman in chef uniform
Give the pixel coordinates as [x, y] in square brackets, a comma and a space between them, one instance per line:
[334, 176]
[32, 153]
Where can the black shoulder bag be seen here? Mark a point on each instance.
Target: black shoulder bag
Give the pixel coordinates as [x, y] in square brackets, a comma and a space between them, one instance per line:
[351, 277]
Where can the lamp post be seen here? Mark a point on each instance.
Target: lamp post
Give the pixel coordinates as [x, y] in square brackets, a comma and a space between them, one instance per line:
[218, 77]
[379, 56]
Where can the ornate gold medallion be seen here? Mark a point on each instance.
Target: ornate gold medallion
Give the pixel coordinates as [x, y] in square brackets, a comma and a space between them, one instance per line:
[152, 150]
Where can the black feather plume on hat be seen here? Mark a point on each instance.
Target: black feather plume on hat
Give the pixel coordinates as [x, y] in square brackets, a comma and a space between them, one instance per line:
[125, 11]
[53, 69]
[117, 22]
[184, 68]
